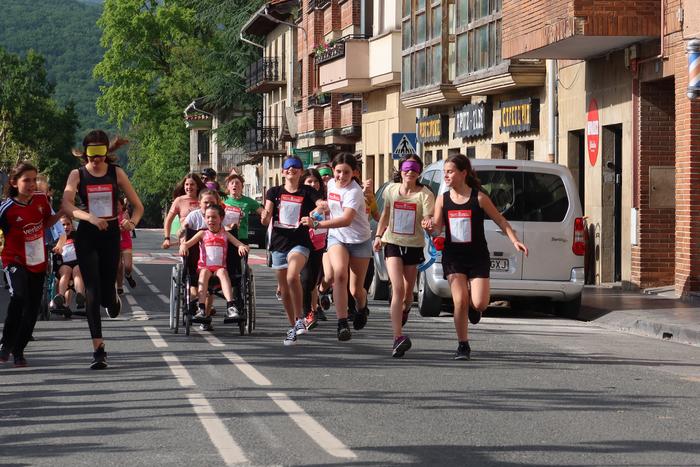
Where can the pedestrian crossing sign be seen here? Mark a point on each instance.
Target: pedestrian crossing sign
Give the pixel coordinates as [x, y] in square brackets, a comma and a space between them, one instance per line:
[402, 144]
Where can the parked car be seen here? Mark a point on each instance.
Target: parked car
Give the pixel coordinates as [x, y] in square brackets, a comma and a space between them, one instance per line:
[540, 201]
[257, 233]
[380, 288]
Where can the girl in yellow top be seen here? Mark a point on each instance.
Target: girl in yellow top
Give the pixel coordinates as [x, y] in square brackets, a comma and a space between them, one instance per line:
[406, 205]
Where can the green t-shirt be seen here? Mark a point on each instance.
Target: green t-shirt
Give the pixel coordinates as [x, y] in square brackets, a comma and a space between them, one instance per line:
[247, 207]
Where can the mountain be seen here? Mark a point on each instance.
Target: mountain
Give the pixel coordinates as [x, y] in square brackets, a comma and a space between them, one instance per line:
[66, 34]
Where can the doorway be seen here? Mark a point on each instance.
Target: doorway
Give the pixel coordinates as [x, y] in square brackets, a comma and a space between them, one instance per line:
[612, 203]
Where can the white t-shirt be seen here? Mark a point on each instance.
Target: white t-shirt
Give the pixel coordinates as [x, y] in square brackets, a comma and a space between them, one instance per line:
[348, 197]
[195, 220]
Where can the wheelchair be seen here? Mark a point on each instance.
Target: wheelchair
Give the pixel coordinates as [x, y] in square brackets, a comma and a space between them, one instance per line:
[180, 301]
[50, 291]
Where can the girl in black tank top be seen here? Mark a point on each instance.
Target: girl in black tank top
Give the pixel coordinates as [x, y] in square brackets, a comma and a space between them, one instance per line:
[465, 259]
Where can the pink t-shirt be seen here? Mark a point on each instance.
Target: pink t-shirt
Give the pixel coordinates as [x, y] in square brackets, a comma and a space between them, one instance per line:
[212, 250]
[183, 205]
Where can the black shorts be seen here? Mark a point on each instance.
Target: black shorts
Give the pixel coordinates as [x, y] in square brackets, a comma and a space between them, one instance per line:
[473, 269]
[410, 255]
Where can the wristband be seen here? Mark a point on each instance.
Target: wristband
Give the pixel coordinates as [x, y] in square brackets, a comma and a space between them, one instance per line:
[167, 238]
[378, 236]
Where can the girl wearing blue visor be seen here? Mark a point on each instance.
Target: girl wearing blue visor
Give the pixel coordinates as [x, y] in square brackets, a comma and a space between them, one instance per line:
[290, 244]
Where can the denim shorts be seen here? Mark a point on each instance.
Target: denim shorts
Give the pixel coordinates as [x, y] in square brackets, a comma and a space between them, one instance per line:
[356, 250]
[280, 258]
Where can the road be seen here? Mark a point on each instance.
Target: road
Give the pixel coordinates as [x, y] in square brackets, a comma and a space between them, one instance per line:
[538, 391]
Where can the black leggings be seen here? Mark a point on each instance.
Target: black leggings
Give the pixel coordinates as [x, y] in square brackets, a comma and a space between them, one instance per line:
[26, 291]
[98, 257]
[310, 276]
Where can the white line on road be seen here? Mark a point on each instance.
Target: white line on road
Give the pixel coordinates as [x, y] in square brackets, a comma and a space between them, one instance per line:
[179, 371]
[130, 299]
[163, 298]
[154, 289]
[229, 450]
[247, 369]
[155, 336]
[315, 430]
[142, 275]
[213, 340]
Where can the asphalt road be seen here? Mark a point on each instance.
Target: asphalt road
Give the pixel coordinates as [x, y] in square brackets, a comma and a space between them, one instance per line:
[538, 391]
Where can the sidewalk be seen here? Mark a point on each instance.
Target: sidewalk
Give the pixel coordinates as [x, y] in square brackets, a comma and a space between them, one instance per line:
[657, 316]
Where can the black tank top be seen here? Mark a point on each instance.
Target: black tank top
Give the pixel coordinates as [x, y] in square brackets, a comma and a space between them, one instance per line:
[468, 239]
[99, 194]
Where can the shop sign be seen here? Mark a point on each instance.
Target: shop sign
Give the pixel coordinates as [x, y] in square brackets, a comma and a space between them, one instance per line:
[592, 131]
[306, 156]
[520, 116]
[472, 120]
[433, 128]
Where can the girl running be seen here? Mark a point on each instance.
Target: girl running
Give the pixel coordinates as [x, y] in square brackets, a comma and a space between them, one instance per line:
[407, 204]
[349, 242]
[126, 264]
[184, 201]
[465, 257]
[212, 256]
[23, 217]
[286, 206]
[97, 239]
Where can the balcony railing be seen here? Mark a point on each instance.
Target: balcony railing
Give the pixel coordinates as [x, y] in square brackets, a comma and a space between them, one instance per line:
[264, 75]
[317, 100]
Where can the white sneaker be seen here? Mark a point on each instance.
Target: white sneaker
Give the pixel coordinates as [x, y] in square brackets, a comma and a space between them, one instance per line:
[232, 312]
[300, 327]
[291, 338]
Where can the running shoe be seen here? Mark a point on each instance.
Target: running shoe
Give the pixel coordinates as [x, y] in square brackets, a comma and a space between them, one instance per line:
[99, 359]
[120, 291]
[344, 333]
[474, 315]
[278, 294]
[79, 301]
[4, 354]
[404, 318]
[360, 319]
[310, 320]
[291, 338]
[201, 314]
[130, 280]
[20, 361]
[206, 327]
[300, 327]
[324, 300]
[320, 314]
[232, 312]
[463, 351]
[114, 310]
[58, 301]
[401, 345]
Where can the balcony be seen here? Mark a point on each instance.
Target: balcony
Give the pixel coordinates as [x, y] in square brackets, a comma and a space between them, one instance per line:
[265, 75]
[572, 29]
[344, 67]
[264, 138]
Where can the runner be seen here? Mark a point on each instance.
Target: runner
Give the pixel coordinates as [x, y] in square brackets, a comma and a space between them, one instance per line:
[97, 239]
[312, 272]
[349, 242]
[24, 215]
[126, 263]
[238, 210]
[286, 205]
[465, 257]
[185, 200]
[407, 204]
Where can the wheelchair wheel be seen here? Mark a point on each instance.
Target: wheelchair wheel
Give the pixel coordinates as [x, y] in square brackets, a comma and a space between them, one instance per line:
[175, 292]
[250, 303]
[49, 291]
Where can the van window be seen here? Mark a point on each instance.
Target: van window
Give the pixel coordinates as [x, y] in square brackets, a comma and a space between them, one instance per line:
[431, 179]
[504, 188]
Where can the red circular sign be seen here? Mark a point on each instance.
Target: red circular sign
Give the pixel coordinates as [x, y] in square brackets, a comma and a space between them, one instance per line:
[592, 132]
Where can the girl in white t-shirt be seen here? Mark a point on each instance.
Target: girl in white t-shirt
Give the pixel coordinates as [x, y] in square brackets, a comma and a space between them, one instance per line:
[406, 205]
[349, 242]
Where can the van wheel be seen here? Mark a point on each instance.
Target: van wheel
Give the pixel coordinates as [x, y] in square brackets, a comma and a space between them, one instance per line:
[379, 289]
[568, 309]
[429, 304]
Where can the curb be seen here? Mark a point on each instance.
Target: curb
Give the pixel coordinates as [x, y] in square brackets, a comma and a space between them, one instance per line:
[631, 322]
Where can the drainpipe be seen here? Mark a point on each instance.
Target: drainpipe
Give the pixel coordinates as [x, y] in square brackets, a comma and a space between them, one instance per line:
[663, 37]
[363, 26]
[551, 110]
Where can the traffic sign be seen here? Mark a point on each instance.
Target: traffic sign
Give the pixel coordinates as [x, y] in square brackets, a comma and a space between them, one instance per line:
[402, 144]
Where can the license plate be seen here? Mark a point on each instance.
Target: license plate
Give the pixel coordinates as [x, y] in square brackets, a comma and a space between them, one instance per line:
[499, 264]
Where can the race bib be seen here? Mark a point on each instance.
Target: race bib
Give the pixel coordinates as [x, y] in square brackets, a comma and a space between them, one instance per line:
[233, 215]
[34, 251]
[335, 205]
[289, 211]
[460, 225]
[100, 200]
[404, 218]
[215, 255]
[68, 252]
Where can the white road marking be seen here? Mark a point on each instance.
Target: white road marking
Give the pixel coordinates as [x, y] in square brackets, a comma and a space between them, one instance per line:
[130, 300]
[315, 430]
[145, 279]
[229, 450]
[155, 336]
[163, 298]
[179, 371]
[154, 289]
[209, 337]
[247, 369]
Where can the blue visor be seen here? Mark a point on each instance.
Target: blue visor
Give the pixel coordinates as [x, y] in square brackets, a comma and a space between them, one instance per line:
[291, 162]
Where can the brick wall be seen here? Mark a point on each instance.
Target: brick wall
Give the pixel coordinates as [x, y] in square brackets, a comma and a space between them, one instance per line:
[349, 13]
[653, 257]
[351, 113]
[532, 24]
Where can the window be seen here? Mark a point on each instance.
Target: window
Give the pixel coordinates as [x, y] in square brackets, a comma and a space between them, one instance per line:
[420, 28]
[406, 8]
[471, 152]
[406, 33]
[406, 73]
[420, 78]
[462, 54]
[420, 5]
[544, 198]
[203, 147]
[436, 77]
[462, 12]
[478, 35]
[437, 22]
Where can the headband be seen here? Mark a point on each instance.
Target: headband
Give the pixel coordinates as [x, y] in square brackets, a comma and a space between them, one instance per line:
[325, 171]
[291, 162]
[410, 165]
[97, 150]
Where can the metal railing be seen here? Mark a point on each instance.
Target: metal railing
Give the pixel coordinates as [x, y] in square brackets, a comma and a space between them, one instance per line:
[265, 69]
[319, 99]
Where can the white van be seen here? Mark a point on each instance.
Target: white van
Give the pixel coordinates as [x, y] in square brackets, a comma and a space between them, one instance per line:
[540, 201]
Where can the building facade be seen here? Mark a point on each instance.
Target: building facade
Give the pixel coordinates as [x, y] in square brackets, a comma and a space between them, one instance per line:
[626, 127]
